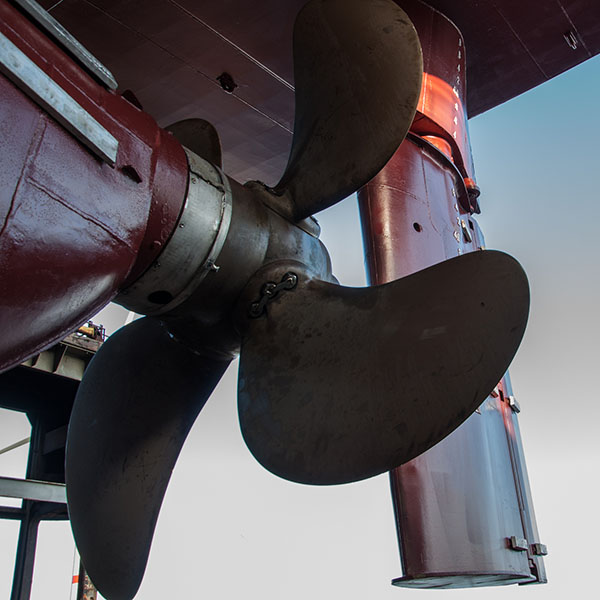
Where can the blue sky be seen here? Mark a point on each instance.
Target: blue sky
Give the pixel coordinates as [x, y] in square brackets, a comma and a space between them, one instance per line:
[229, 529]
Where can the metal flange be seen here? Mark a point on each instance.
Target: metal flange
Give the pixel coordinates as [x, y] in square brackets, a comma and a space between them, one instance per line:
[192, 251]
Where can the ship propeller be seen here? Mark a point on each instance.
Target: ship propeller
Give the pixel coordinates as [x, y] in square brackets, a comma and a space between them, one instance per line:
[335, 384]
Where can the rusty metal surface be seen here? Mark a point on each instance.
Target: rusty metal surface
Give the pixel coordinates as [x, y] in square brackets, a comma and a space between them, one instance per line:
[62, 221]
[170, 52]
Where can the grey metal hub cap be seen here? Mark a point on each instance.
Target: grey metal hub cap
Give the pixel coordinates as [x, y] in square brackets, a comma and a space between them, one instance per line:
[194, 247]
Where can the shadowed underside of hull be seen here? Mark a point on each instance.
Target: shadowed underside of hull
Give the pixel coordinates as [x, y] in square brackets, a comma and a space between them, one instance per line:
[173, 55]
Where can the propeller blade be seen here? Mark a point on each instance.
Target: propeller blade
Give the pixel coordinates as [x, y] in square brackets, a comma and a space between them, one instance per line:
[200, 137]
[339, 384]
[357, 68]
[135, 406]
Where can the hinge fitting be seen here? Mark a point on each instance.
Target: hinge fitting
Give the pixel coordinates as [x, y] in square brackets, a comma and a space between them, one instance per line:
[539, 549]
[517, 543]
[512, 402]
[269, 291]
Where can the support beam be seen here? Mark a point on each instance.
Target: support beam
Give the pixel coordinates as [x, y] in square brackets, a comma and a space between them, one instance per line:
[25, 558]
[30, 489]
[15, 445]
[11, 513]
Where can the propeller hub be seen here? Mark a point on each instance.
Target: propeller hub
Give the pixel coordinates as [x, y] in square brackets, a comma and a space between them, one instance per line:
[226, 233]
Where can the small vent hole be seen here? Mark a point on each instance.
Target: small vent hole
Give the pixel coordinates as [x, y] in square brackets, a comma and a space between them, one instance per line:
[227, 82]
[417, 227]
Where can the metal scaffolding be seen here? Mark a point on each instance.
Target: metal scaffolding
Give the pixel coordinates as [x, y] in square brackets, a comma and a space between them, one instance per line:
[43, 388]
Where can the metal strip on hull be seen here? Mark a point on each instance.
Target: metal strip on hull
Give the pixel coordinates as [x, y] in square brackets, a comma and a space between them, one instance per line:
[20, 69]
[63, 37]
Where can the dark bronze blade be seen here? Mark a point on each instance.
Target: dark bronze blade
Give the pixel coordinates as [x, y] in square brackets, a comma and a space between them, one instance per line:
[200, 137]
[138, 400]
[357, 70]
[339, 384]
